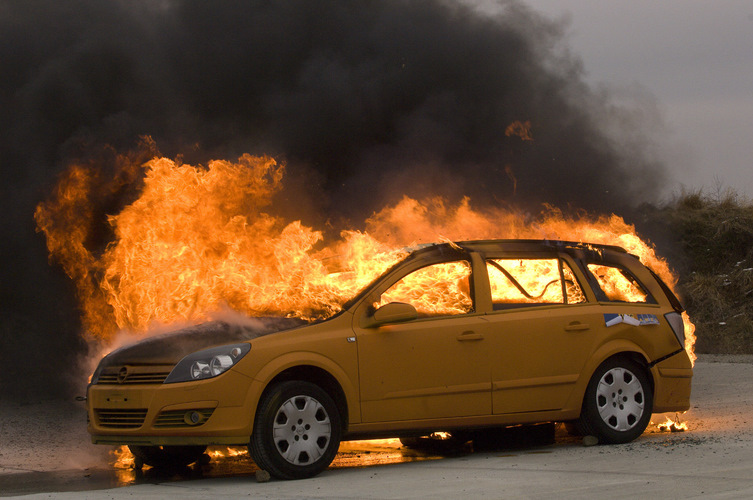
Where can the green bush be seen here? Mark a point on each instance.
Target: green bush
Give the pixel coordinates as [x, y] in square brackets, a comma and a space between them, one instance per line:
[708, 240]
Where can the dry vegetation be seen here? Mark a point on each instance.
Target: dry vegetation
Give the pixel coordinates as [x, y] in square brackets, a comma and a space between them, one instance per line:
[709, 241]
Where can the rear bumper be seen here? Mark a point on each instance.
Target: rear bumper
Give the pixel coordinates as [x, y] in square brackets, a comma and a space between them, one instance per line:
[672, 384]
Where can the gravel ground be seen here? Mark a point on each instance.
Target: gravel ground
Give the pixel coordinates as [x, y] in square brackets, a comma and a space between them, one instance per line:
[51, 436]
[46, 436]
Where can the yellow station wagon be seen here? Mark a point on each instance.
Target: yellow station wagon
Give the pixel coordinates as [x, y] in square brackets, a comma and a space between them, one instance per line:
[456, 337]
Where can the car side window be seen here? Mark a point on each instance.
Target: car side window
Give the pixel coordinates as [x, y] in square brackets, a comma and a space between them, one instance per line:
[618, 284]
[435, 290]
[529, 282]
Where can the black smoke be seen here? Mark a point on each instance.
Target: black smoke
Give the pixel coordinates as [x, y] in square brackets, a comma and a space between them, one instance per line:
[364, 100]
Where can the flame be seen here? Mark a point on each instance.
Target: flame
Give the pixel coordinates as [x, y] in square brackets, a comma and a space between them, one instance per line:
[200, 239]
[122, 458]
[520, 129]
[615, 285]
[216, 452]
[673, 425]
[438, 289]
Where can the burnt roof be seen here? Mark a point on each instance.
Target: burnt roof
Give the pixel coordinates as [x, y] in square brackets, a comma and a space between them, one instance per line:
[519, 245]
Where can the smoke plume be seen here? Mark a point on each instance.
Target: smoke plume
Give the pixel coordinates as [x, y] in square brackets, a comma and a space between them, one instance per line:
[365, 101]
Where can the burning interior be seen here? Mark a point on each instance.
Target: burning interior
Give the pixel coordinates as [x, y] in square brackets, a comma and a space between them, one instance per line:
[198, 240]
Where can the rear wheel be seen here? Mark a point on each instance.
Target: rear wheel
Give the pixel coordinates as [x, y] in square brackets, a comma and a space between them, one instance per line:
[296, 431]
[167, 456]
[618, 402]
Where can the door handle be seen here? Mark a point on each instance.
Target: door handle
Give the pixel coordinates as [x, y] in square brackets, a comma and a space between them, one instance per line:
[470, 335]
[577, 326]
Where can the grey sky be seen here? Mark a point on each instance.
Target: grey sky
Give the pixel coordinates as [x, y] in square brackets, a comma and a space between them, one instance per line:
[695, 57]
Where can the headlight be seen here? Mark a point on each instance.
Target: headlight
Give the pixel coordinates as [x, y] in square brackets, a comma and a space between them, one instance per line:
[207, 363]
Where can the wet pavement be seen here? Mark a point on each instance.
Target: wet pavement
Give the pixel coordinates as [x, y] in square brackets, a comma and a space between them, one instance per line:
[223, 462]
[228, 462]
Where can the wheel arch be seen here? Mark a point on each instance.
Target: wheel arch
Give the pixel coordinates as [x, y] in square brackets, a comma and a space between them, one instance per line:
[636, 357]
[320, 377]
[617, 349]
[602, 412]
[312, 367]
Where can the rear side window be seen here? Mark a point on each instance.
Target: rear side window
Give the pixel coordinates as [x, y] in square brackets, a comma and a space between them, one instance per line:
[619, 285]
[522, 282]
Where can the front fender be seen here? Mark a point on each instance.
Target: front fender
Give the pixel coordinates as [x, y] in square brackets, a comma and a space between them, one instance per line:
[289, 360]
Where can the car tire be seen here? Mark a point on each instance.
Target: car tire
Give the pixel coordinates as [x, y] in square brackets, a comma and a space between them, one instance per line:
[618, 402]
[296, 431]
[165, 457]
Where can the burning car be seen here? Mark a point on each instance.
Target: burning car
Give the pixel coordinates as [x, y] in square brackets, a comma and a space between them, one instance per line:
[455, 337]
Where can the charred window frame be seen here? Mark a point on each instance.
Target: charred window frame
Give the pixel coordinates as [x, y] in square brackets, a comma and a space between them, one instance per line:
[563, 265]
[673, 300]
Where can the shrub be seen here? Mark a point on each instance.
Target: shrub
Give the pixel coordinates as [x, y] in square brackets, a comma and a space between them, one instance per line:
[710, 245]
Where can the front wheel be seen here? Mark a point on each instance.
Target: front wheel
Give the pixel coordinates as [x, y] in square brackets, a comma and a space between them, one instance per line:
[296, 431]
[166, 457]
[618, 402]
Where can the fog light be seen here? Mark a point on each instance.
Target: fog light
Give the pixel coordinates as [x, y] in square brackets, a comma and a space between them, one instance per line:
[192, 418]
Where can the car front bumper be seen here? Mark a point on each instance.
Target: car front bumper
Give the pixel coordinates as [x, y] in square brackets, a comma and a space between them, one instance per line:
[214, 411]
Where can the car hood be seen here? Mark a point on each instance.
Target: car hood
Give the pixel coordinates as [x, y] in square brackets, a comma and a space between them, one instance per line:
[171, 347]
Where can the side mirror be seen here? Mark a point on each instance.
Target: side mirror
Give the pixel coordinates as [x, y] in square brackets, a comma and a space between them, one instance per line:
[394, 312]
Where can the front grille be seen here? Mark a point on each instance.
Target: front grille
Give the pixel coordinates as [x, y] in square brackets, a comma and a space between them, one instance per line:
[134, 374]
[121, 419]
[177, 418]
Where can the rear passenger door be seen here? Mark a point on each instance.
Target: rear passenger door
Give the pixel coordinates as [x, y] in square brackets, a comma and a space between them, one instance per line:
[542, 331]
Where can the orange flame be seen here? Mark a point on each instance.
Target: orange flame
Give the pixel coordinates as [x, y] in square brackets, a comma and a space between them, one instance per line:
[198, 240]
[216, 452]
[520, 129]
[673, 425]
[123, 458]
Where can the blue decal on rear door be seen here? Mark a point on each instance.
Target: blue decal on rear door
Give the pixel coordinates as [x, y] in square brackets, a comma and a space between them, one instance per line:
[631, 319]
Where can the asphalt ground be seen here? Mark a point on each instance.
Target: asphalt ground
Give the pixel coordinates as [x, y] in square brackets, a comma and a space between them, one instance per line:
[45, 453]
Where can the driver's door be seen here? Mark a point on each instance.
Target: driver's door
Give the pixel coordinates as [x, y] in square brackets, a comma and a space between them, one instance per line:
[436, 366]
